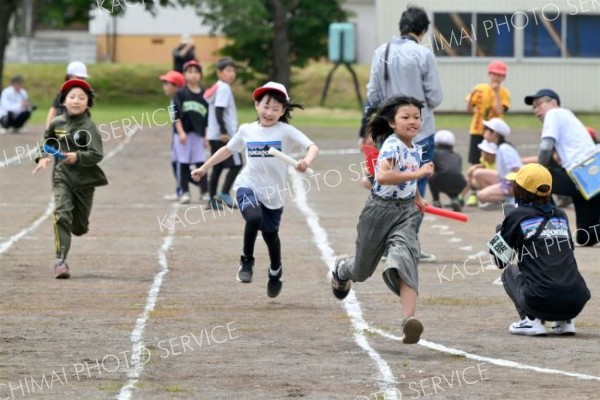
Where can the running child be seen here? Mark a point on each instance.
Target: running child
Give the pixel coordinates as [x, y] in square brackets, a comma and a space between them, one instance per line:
[75, 70]
[392, 212]
[77, 150]
[545, 284]
[263, 178]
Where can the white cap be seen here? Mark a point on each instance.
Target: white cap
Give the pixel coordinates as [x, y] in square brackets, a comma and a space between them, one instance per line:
[186, 38]
[269, 86]
[444, 137]
[77, 69]
[488, 147]
[498, 126]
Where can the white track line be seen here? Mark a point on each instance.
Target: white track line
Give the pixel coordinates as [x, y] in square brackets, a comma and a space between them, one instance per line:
[7, 244]
[495, 361]
[137, 335]
[351, 304]
[15, 238]
[17, 158]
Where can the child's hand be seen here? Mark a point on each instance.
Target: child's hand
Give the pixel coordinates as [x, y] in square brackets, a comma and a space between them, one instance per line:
[182, 138]
[42, 163]
[70, 158]
[302, 165]
[426, 170]
[421, 204]
[198, 173]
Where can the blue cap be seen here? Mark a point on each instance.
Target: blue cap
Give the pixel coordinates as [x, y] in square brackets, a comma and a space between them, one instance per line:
[542, 93]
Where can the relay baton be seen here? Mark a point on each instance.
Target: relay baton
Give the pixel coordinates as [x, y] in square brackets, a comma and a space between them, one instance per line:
[51, 150]
[446, 213]
[287, 159]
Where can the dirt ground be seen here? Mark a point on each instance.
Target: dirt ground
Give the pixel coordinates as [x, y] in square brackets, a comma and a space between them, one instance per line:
[156, 313]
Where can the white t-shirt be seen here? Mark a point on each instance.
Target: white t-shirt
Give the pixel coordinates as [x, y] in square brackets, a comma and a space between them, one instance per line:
[223, 97]
[573, 142]
[264, 173]
[11, 101]
[406, 159]
[507, 160]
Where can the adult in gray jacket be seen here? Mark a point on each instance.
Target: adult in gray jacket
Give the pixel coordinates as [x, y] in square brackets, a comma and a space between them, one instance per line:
[402, 67]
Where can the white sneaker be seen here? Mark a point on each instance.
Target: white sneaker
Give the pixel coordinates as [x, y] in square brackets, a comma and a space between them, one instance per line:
[185, 198]
[566, 328]
[171, 197]
[427, 257]
[528, 327]
[204, 196]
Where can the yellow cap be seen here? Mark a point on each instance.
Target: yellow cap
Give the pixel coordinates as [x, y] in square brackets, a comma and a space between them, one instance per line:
[531, 177]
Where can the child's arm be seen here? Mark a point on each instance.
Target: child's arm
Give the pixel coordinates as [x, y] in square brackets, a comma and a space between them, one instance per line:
[221, 155]
[498, 107]
[180, 132]
[385, 174]
[305, 162]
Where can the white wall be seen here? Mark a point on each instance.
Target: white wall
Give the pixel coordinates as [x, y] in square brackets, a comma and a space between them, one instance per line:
[577, 81]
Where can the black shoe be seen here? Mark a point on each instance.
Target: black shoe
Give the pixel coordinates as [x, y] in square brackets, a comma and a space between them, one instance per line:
[340, 287]
[244, 274]
[274, 285]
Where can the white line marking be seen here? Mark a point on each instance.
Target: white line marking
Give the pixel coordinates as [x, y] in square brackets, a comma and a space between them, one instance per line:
[495, 361]
[15, 238]
[137, 339]
[351, 304]
[17, 158]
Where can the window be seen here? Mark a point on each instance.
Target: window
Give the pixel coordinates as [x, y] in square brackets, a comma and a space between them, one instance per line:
[472, 35]
[583, 36]
[542, 35]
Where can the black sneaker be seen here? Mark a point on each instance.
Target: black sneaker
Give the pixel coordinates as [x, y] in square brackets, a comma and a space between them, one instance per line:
[244, 274]
[340, 287]
[412, 329]
[274, 284]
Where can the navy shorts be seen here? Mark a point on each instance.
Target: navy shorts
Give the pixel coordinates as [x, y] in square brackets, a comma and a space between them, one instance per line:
[246, 199]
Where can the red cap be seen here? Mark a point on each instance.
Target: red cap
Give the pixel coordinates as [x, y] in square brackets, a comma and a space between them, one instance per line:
[174, 77]
[75, 83]
[591, 131]
[497, 67]
[190, 63]
[270, 87]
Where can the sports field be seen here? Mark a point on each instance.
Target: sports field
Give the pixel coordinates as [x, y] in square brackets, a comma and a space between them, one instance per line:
[153, 309]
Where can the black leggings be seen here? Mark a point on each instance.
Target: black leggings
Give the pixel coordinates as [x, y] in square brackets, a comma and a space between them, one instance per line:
[185, 178]
[254, 218]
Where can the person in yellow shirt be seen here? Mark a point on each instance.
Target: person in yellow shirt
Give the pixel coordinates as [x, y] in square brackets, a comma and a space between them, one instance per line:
[486, 101]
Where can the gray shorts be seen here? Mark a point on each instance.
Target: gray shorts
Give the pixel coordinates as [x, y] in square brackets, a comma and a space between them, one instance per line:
[390, 224]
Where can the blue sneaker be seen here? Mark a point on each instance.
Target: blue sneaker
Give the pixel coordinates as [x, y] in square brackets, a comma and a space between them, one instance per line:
[227, 200]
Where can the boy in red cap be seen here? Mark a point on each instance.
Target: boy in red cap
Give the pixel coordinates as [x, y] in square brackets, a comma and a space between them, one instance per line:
[76, 144]
[486, 101]
[172, 81]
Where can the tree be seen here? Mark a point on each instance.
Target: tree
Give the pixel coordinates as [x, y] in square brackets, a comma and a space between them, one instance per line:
[270, 36]
[7, 10]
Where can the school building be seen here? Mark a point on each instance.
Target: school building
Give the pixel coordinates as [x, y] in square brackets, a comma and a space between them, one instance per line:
[547, 43]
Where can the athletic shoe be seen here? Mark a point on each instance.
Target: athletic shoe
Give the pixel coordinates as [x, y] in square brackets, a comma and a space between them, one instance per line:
[274, 284]
[185, 198]
[412, 329]
[340, 287]
[61, 270]
[171, 197]
[244, 274]
[472, 200]
[426, 257]
[565, 328]
[455, 205]
[214, 204]
[204, 196]
[528, 327]
[227, 200]
[490, 206]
